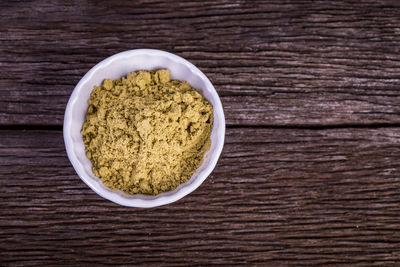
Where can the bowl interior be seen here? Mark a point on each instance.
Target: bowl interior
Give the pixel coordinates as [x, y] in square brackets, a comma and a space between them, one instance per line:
[114, 68]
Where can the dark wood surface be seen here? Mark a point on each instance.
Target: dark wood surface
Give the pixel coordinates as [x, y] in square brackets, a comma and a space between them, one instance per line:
[309, 174]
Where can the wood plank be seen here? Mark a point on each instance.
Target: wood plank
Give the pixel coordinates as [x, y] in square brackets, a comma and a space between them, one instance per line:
[278, 196]
[273, 63]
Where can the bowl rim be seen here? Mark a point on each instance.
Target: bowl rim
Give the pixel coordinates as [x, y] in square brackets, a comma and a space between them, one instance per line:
[160, 199]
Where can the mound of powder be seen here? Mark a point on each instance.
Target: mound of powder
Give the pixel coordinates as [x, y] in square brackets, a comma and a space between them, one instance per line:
[145, 133]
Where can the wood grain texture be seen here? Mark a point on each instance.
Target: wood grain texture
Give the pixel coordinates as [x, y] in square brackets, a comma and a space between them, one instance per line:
[277, 197]
[309, 174]
[295, 63]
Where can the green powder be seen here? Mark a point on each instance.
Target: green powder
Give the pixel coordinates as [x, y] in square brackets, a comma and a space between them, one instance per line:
[145, 133]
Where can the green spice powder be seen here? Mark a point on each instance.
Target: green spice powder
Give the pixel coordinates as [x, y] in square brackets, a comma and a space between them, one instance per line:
[145, 133]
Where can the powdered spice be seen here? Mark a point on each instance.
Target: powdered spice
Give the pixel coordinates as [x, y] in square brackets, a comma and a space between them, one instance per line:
[145, 133]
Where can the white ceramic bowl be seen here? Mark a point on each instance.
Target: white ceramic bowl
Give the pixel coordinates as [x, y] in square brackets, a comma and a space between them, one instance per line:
[115, 67]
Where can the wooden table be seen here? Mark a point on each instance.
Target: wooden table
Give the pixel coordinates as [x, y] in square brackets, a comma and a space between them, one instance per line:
[310, 171]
